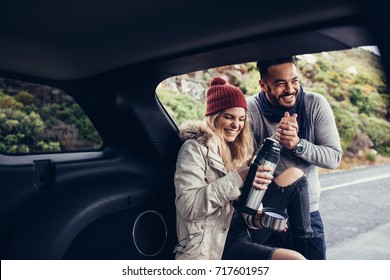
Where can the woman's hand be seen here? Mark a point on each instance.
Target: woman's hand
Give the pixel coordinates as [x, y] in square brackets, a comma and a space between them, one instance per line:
[256, 221]
[263, 176]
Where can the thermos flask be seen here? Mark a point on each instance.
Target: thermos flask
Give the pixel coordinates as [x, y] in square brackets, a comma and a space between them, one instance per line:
[267, 155]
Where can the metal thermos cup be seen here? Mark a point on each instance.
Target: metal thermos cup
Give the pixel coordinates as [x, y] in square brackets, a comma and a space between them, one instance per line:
[267, 155]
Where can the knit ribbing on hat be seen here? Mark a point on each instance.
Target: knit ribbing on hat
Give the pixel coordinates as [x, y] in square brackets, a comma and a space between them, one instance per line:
[221, 96]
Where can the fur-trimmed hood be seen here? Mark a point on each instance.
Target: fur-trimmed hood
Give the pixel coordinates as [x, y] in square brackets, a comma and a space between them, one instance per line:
[197, 130]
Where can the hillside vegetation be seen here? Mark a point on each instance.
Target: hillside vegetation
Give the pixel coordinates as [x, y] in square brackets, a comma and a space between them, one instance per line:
[352, 81]
[36, 118]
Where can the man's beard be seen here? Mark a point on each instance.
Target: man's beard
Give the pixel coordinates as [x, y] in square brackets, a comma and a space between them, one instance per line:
[276, 101]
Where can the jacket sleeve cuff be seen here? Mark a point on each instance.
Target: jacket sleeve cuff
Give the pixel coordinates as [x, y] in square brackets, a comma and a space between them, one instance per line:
[237, 179]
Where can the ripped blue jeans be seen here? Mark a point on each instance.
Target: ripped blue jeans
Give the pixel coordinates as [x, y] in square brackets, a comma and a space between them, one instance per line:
[247, 244]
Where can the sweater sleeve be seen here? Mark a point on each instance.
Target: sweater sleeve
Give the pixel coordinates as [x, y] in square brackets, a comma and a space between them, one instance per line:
[196, 197]
[254, 118]
[325, 150]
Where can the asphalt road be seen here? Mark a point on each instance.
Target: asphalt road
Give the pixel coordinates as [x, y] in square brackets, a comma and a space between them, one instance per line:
[355, 208]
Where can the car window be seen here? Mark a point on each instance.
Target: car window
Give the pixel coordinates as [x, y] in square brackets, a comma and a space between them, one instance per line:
[352, 81]
[36, 118]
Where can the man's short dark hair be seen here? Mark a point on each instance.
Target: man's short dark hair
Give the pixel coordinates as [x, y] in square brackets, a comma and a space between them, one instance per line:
[263, 65]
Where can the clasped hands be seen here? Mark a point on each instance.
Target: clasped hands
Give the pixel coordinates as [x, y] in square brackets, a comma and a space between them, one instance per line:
[287, 131]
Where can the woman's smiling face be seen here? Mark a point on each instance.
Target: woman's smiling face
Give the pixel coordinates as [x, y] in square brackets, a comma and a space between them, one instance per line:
[230, 122]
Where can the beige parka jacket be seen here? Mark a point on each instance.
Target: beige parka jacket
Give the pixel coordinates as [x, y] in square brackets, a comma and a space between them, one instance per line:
[204, 195]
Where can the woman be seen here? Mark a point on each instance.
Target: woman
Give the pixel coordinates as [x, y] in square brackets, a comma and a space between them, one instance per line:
[211, 168]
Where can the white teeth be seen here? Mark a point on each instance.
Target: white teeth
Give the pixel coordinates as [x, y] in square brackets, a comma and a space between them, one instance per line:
[232, 132]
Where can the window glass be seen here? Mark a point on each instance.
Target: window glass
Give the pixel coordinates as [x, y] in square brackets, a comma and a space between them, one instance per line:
[37, 118]
[351, 80]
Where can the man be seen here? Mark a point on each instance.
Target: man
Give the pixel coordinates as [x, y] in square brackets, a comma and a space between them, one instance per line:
[304, 124]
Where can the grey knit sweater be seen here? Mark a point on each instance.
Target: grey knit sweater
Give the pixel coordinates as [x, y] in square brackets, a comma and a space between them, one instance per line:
[323, 148]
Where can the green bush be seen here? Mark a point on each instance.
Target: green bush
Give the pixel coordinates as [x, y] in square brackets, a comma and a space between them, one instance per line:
[379, 132]
[183, 106]
[47, 121]
[346, 122]
[371, 156]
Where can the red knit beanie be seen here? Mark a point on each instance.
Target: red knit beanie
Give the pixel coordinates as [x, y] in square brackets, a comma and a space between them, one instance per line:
[222, 96]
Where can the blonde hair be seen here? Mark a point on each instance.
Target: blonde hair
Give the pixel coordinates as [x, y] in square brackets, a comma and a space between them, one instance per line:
[233, 154]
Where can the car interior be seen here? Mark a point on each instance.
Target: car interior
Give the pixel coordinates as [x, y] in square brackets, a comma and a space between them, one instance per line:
[118, 202]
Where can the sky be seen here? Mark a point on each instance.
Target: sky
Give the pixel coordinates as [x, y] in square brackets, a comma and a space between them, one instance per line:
[373, 49]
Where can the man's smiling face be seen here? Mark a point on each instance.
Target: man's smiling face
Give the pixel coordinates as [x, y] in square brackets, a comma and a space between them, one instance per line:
[281, 85]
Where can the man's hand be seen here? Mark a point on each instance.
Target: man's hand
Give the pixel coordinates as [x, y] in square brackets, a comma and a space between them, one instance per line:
[287, 131]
